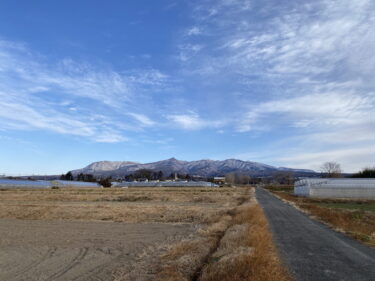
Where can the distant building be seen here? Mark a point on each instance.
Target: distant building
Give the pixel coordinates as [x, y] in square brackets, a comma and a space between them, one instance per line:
[198, 178]
[336, 188]
[142, 180]
[219, 180]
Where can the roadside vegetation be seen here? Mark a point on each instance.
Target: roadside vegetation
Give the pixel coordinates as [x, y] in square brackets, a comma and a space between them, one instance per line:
[365, 173]
[237, 246]
[354, 217]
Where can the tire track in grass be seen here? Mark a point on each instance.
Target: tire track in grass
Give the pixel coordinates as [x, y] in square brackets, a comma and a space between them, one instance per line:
[50, 252]
[76, 260]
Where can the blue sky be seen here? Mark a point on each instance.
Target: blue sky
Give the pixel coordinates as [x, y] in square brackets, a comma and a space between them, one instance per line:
[286, 83]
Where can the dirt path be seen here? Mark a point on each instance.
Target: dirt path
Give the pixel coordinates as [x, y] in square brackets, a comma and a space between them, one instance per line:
[313, 251]
[63, 250]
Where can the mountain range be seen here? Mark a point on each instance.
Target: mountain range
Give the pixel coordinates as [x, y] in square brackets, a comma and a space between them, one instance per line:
[203, 168]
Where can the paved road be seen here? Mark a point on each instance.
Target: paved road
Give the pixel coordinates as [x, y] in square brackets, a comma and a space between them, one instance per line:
[312, 251]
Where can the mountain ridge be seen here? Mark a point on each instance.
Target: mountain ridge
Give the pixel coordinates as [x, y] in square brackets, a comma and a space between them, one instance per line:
[204, 168]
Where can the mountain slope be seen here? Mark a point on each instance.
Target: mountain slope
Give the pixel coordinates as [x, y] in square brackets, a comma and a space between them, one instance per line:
[205, 168]
[104, 166]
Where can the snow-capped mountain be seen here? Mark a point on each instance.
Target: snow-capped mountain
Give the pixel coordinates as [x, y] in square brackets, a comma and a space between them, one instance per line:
[205, 168]
[103, 166]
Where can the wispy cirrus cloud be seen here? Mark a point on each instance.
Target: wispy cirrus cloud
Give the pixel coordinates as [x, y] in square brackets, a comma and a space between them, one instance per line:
[65, 97]
[142, 119]
[313, 39]
[188, 51]
[326, 127]
[289, 77]
[295, 38]
[322, 110]
[192, 121]
[304, 68]
[194, 31]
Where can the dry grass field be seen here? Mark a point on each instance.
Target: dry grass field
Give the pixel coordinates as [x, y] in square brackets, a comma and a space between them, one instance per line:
[354, 217]
[133, 205]
[171, 234]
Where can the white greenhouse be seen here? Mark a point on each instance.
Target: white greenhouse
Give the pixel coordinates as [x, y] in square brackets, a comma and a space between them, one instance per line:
[43, 184]
[335, 188]
[165, 184]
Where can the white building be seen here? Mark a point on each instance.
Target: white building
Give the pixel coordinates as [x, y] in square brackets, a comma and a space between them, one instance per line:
[335, 188]
[219, 180]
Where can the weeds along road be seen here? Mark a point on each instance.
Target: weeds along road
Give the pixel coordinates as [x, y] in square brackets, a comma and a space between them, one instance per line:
[311, 250]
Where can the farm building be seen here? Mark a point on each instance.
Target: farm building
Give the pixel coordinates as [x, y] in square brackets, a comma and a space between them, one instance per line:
[219, 180]
[335, 188]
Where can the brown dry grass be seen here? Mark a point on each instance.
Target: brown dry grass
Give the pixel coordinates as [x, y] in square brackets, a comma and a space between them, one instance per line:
[171, 205]
[232, 241]
[246, 251]
[191, 194]
[358, 224]
[184, 261]
[238, 246]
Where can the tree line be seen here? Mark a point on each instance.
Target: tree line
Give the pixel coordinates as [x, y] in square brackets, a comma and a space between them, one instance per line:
[333, 170]
[105, 182]
[139, 175]
[365, 173]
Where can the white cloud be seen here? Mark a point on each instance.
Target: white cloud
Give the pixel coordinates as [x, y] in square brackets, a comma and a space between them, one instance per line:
[26, 117]
[326, 39]
[325, 110]
[187, 51]
[351, 159]
[149, 77]
[20, 70]
[189, 121]
[328, 127]
[142, 119]
[207, 10]
[312, 155]
[192, 121]
[312, 39]
[66, 97]
[195, 30]
[110, 137]
[305, 69]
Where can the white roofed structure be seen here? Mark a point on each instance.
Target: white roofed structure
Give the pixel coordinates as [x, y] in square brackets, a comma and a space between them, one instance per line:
[363, 188]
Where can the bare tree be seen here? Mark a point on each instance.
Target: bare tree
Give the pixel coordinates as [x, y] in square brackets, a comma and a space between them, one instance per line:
[230, 178]
[242, 178]
[284, 177]
[237, 178]
[331, 170]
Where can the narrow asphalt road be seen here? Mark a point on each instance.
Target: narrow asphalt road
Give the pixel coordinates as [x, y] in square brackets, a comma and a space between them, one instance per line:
[311, 250]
